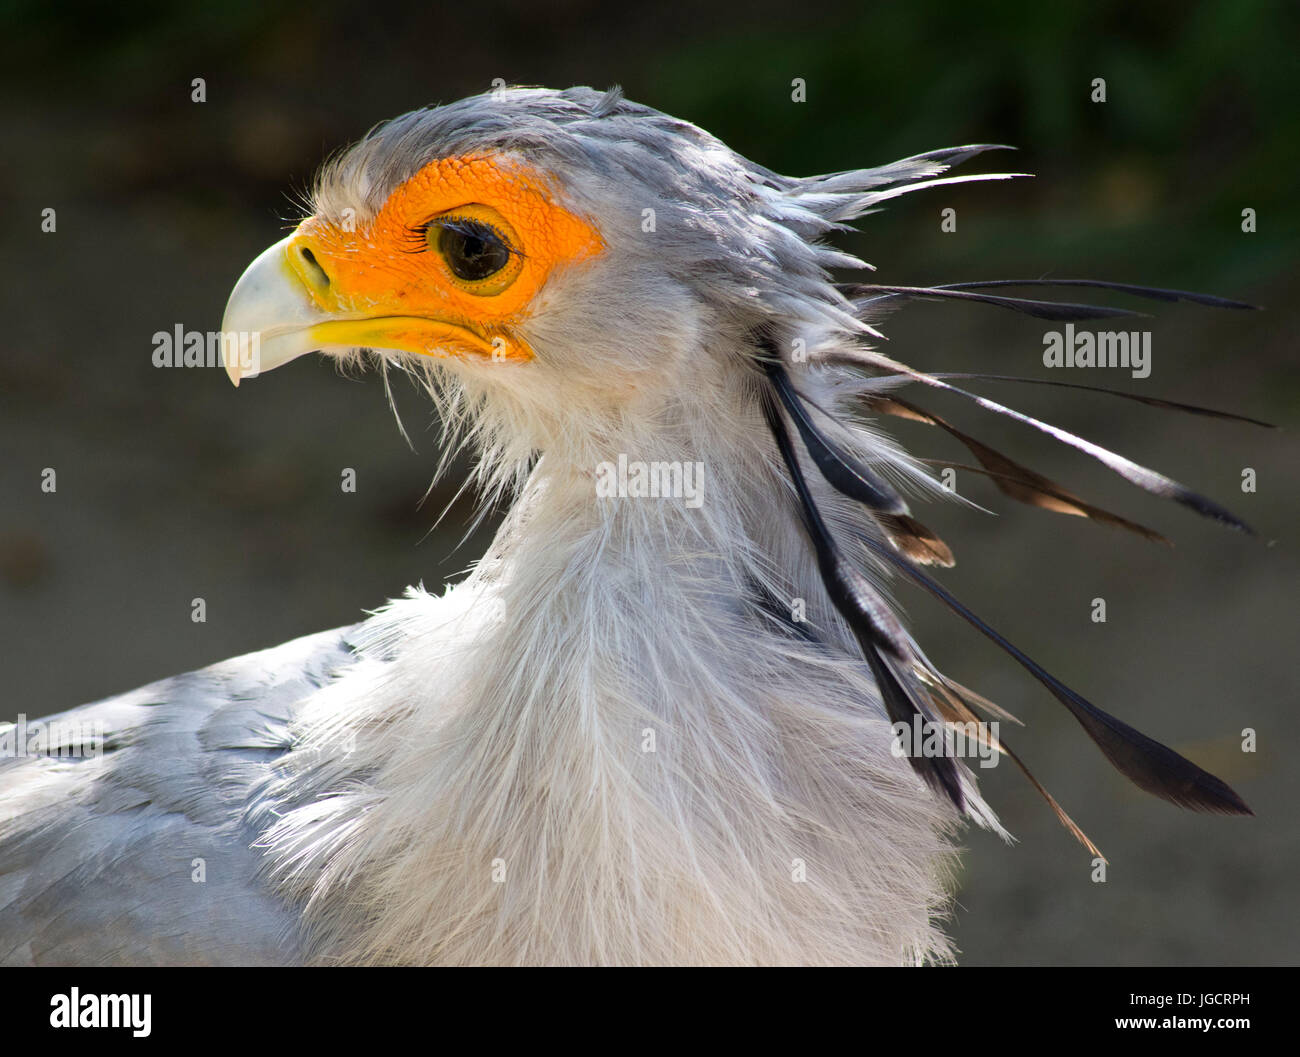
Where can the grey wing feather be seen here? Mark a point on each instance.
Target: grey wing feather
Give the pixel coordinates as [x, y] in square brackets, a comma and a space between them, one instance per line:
[98, 854]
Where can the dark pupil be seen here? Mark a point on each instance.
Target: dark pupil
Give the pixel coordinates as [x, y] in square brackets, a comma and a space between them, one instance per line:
[472, 253]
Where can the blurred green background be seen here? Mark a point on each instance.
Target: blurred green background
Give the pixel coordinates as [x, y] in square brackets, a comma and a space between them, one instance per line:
[171, 485]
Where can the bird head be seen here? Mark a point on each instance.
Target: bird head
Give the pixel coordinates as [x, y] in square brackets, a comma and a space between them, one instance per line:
[567, 256]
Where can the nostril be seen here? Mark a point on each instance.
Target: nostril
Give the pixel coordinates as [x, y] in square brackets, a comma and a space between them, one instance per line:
[312, 267]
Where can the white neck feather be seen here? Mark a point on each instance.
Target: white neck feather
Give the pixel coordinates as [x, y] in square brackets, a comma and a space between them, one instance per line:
[598, 749]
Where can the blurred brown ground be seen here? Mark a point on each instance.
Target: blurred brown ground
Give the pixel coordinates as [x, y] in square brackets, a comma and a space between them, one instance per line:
[171, 485]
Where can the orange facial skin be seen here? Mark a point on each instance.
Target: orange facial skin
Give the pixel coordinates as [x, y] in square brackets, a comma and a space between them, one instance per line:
[391, 288]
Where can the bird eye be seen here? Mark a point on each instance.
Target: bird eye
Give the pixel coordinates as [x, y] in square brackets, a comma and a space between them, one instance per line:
[472, 251]
[478, 248]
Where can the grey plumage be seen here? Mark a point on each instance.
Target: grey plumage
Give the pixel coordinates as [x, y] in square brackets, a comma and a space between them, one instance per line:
[98, 855]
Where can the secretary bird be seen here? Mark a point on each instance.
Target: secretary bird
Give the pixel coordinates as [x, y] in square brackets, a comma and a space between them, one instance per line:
[648, 727]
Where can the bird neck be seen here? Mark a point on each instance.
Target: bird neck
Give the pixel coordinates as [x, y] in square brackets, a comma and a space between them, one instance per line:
[601, 747]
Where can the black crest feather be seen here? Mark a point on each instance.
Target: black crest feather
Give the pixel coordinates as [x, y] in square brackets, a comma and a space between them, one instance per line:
[1146, 762]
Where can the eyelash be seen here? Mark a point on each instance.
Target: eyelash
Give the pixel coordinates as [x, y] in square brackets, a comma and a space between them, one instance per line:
[418, 236]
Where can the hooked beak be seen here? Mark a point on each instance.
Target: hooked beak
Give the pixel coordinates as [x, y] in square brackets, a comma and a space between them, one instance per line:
[285, 305]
